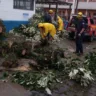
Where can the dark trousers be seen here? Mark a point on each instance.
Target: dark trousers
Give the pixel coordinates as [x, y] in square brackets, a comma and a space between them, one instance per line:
[79, 43]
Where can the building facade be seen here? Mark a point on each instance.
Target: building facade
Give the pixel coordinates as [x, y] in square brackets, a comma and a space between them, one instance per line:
[16, 12]
[87, 7]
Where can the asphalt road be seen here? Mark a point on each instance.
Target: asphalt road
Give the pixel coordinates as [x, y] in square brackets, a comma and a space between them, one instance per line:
[10, 89]
[65, 43]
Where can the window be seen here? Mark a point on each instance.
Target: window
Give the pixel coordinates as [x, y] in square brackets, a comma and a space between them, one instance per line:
[24, 4]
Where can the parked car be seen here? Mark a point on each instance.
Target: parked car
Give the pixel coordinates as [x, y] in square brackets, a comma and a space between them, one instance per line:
[90, 30]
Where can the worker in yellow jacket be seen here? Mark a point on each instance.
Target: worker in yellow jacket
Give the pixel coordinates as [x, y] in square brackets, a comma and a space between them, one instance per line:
[60, 24]
[47, 30]
[59, 21]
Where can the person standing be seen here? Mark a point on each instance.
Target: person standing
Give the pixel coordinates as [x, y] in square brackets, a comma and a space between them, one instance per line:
[52, 14]
[47, 18]
[80, 27]
[59, 22]
[60, 26]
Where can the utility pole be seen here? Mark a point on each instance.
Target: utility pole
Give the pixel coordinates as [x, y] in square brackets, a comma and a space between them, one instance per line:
[73, 8]
[77, 2]
[56, 12]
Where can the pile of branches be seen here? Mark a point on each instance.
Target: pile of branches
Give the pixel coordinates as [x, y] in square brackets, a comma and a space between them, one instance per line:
[34, 80]
[47, 58]
[90, 62]
[12, 51]
[42, 79]
[4, 48]
[37, 17]
[11, 61]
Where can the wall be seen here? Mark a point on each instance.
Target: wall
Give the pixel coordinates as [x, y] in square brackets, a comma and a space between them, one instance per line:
[8, 13]
[87, 5]
[13, 17]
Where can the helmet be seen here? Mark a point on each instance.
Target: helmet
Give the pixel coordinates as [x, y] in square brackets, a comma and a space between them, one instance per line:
[51, 11]
[58, 17]
[80, 13]
[40, 25]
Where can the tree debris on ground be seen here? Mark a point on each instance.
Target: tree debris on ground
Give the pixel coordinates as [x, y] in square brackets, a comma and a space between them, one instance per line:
[47, 60]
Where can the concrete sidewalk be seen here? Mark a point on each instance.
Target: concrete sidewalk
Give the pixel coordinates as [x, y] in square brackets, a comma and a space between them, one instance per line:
[10, 89]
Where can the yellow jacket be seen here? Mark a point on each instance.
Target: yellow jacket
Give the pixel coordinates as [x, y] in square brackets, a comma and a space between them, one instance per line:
[48, 28]
[60, 24]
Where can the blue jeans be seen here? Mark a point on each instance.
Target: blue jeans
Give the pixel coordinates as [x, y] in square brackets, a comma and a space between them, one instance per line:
[79, 43]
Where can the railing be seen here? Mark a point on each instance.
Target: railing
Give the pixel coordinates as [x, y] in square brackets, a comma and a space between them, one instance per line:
[70, 0]
[81, 0]
[92, 0]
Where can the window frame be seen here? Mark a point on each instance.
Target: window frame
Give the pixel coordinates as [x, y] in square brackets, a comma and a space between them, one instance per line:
[16, 4]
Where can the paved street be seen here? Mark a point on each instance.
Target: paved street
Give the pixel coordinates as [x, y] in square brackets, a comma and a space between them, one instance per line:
[9, 89]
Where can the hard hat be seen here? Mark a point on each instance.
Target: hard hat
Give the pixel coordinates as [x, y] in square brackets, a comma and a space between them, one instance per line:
[51, 11]
[58, 17]
[40, 25]
[80, 13]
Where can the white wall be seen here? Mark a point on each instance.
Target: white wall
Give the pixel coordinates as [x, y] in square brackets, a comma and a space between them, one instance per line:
[8, 13]
[81, 5]
[87, 5]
